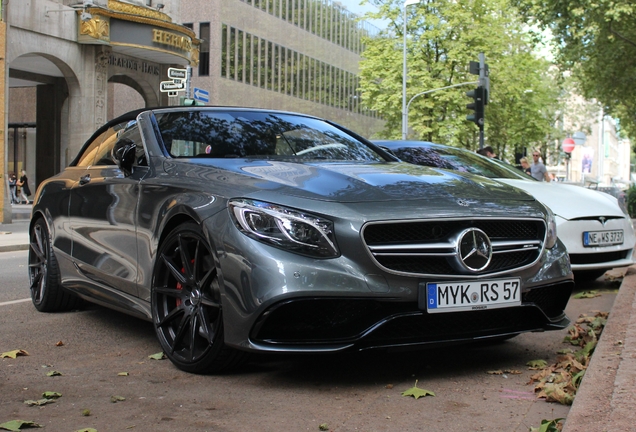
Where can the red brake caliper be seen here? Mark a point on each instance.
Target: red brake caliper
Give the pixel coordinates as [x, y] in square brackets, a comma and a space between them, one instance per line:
[179, 286]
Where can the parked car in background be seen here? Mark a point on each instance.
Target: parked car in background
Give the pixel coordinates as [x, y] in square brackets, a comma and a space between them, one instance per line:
[237, 230]
[615, 191]
[596, 230]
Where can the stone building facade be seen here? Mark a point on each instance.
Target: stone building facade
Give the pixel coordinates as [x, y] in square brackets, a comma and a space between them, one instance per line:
[74, 64]
[299, 55]
[61, 57]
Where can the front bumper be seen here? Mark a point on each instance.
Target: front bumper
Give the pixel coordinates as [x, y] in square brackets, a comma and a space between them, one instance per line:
[600, 257]
[275, 300]
[333, 324]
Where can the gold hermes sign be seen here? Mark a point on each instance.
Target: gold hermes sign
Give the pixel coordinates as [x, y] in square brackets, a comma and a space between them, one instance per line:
[171, 39]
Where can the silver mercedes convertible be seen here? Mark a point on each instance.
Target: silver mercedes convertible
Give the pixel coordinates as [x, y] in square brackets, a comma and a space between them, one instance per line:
[241, 230]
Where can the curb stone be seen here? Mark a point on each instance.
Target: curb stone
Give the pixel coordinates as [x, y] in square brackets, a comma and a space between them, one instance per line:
[606, 400]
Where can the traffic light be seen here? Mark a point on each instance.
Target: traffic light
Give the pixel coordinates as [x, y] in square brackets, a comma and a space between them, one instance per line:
[479, 101]
[481, 93]
[189, 102]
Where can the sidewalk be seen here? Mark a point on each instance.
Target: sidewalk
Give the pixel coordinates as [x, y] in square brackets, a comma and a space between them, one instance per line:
[605, 401]
[15, 236]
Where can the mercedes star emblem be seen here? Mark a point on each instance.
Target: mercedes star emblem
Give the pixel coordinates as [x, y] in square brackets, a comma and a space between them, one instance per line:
[474, 250]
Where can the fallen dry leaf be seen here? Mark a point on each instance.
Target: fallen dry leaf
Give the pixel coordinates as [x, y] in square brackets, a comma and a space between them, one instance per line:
[417, 392]
[158, 356]
[560, 381]
[14, 353]
[536, 364]
[16, 425]
[38, 402]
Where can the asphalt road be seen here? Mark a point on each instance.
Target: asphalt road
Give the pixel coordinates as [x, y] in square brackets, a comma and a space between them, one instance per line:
[94, 347]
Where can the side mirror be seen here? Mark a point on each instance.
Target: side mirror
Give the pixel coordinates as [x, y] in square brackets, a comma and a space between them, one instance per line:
[124, 153]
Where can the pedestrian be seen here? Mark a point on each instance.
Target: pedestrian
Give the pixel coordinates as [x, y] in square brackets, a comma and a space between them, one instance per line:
[25, 191]
[525, 165]
[537, 169]
[13, 187]
[488, 152]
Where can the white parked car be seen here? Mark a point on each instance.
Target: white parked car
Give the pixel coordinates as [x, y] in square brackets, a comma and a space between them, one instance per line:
[594, 226]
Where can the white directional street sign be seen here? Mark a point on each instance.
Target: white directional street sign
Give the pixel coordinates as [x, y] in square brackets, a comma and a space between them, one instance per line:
[171, 86]
[174, 73]
[201, 95]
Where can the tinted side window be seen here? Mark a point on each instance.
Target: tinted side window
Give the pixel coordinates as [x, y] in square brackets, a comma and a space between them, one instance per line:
[134, 134]
[104, 154]
[88, 156]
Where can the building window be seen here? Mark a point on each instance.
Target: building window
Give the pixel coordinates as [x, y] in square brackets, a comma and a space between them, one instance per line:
[276, 68]
[327, 19]
[204, 49]
[263, 64]
[232, 54]
[239, 55]
[251, 60]
[247, 56]
[225, 51]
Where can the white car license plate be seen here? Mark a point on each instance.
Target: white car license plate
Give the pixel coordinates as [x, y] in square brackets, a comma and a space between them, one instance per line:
[602, 238]
[472, 295]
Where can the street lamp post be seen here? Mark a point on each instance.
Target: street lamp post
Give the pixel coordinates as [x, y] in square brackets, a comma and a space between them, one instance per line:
[404, 114]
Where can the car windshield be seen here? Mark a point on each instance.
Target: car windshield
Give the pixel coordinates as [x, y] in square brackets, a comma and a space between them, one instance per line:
[459, 160]
[246, 134]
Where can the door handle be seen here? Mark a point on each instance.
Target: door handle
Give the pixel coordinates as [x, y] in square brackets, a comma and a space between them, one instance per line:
[85, 179]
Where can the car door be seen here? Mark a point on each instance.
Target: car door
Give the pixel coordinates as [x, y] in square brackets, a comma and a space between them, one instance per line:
[102, 210]
[56, 200]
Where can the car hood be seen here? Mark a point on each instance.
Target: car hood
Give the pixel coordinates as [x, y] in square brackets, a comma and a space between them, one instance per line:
[569, 201]
[352, 182]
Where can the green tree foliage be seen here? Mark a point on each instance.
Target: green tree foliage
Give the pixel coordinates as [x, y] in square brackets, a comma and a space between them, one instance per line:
[443, 36]
[596, 40]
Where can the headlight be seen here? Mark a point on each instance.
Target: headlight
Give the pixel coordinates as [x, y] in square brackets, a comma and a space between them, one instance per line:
[622, 203]
[285, 228]
[551, 234]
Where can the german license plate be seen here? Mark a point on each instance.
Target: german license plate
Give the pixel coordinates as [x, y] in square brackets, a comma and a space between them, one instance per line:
[602, 238]
[472, 295]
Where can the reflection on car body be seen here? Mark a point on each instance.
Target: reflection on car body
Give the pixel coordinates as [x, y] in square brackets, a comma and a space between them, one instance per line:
[594, 226]
[240, 230]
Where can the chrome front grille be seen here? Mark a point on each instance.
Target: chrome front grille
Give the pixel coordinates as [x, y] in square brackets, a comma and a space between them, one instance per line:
[429, 247]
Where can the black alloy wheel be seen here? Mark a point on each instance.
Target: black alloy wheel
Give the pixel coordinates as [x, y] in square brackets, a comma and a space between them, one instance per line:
[186, 303]
[47, 292]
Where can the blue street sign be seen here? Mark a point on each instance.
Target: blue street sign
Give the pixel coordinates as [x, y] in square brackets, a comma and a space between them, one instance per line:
[201, 95]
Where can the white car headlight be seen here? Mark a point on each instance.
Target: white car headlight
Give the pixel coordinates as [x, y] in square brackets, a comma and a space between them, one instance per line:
[551, 234]
[622, 203]
[286, 228]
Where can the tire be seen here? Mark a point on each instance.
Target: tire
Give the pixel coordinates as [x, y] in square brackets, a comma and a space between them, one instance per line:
[47, 292]
[186, 304]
